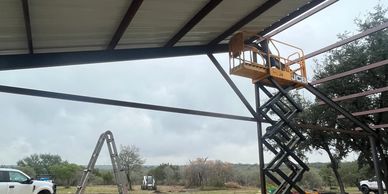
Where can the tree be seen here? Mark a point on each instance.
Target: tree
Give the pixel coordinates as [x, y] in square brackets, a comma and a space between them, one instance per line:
[312, 179]
[327, 176]
[352, 174]
[203, 172]
[196, 173]
[166, 174]
[131, 161]
[373, 48]
[107, 177]
[331, 143]
[40, 162]
[28, 170]
[65, 172]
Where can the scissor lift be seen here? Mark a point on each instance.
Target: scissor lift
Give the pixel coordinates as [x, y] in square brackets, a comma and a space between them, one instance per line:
[267, 69]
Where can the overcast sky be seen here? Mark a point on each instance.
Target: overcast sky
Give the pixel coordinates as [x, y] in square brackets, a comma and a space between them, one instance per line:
[71, 129]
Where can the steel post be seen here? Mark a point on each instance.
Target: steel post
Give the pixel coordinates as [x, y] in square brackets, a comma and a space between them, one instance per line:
[376, 164]
[233, 86]
[260, 143]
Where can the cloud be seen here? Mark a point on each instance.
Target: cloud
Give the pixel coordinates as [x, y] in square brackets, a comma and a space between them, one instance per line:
[71, 129]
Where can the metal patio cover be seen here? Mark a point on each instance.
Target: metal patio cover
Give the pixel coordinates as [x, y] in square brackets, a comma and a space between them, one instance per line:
[41, 33]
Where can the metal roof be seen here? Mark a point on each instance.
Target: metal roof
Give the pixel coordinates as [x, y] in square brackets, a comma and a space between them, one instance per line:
[59, 27]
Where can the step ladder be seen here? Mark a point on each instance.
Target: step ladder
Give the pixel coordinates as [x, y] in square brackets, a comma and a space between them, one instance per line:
[119, 174]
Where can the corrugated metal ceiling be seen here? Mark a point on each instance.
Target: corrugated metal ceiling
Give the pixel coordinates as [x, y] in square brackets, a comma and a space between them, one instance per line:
[85, 25]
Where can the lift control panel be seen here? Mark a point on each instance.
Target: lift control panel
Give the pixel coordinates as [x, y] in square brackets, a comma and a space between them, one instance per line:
[261, 58]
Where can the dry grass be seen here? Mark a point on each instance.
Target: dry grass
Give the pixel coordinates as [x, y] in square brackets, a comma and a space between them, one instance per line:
[161, 189]
[170, 190]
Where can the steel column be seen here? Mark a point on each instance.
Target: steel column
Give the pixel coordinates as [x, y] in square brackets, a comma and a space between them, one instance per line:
[260, 143]
[376, 164]
[233, 86]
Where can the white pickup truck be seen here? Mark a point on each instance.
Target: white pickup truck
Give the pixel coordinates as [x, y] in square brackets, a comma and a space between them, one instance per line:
[370, 185]
[16, 182]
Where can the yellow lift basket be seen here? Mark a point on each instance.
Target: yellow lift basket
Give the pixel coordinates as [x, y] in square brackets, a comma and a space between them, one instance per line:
[251, 61]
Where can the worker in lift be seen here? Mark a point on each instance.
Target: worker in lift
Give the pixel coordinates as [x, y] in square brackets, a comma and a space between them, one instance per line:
[263, 47]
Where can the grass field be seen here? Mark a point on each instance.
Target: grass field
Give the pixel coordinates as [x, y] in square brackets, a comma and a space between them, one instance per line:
[169, 189]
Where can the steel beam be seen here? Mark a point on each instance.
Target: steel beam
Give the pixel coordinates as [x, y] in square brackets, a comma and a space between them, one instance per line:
[356, 95]
[234, 87]
[351, 72]
[128, 17]
[95, 100]
[371, 133]
[344, 112]
[378, 126]
[25, 61]
[343, 42]
[194, 21]
[293, 18]
[316, 127]
[367, 112]
[27, 25]
[241, 23]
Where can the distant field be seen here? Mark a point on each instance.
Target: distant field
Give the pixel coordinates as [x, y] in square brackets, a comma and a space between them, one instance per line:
[170, 189]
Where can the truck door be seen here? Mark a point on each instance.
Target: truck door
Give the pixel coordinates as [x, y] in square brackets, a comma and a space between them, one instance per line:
[19, 183]
[4, 181]
[3, 187]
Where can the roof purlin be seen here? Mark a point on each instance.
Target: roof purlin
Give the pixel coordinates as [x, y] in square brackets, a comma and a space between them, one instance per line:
[242, 22]
[27, 24]
[128, 17]
[195, 20]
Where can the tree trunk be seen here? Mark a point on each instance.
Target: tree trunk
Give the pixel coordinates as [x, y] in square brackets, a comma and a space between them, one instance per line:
[129, 181]
[200, 180]
[334, 166]
[384, 165]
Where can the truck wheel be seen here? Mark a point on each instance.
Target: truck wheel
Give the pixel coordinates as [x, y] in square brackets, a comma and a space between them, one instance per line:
[44, 192]
[365, 189]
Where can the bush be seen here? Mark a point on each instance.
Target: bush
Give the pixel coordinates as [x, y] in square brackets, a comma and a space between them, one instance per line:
[232, 185]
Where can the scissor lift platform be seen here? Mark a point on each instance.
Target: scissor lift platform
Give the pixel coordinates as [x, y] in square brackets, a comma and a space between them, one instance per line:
[251, 62]
[258, 72]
